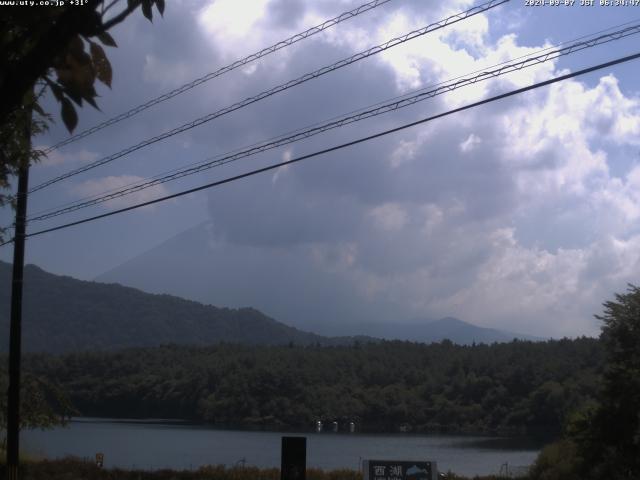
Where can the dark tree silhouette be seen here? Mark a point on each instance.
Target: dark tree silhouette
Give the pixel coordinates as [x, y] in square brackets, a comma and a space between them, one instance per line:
[609, 435]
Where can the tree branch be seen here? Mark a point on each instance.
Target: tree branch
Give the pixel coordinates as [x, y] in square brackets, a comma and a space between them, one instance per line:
[121, 16]
[108, 7]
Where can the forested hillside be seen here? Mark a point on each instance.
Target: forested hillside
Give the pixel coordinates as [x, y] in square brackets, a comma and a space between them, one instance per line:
[62, 314]
[502, 387]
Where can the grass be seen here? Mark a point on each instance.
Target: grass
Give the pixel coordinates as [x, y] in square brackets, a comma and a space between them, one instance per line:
[72, 468]
[24, 457]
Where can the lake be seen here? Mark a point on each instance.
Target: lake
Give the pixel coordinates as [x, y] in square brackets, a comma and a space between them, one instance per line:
[160, 444]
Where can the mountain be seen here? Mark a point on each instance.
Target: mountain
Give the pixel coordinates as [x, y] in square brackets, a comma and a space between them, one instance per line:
[287, 283]
[62, 314]
[300, 284]
[454, 329]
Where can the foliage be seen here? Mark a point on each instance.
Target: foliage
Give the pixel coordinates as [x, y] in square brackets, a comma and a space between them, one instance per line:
[608, 435]
[557, 461]
[15, 148]
[56, 48]
[50, 45]
[42, 403]
[483, 388]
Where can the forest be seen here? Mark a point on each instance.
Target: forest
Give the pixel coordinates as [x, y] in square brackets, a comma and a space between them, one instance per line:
[387, 386]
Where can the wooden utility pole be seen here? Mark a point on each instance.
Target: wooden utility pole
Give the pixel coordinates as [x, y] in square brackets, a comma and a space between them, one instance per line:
[15, 334]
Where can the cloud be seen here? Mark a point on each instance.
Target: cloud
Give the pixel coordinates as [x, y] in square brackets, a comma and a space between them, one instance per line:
[237, 31]
[56, 157]
[166, 74]
[231, 22]
[389, 216]
[470, 143]
[90, 188]
[508, 215]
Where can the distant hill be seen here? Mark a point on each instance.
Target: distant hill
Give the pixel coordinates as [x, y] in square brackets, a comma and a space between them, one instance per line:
[454, 329]
[62, 314]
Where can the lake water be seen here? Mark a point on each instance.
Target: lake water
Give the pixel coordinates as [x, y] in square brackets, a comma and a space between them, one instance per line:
[154, 445]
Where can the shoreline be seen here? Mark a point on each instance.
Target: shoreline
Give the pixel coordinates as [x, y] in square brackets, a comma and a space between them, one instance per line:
[543, 436]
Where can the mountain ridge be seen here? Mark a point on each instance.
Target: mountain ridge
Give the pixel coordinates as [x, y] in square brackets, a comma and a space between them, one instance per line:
[63, 314]
[429, 331]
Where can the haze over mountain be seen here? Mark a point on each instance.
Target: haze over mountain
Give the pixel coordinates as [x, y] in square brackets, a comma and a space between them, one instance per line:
[292, 284]
[63, 314]
[309, 292]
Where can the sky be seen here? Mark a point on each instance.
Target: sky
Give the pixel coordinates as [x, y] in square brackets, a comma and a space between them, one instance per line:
[522, 214]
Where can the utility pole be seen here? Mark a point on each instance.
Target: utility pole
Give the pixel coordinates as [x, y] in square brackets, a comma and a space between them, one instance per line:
[15, 334]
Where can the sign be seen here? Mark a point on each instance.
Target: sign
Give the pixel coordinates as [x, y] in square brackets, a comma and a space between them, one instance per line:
[399, 470]
[293, 464]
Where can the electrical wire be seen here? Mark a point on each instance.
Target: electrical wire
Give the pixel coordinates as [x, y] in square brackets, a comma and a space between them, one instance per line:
[345, 120]
[382, 102]
[280, 88]
[341, 146]
[221, 71]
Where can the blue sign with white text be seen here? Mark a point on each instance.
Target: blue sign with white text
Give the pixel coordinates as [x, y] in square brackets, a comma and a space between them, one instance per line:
[398, 470]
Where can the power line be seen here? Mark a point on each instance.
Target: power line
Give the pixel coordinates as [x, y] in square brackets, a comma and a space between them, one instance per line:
[345, 120]
[382, 102]
[341, 146]
[158, 176]
[282, 87]
[309, 76]
[221, 71]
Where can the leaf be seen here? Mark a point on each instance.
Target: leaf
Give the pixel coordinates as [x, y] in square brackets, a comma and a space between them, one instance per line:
[56, 90]
[146, 9]
[82, 58]
[89, 94]
[69, 115]
[90, 100]
[76, 47]
[91, 24]
[160, 5]
[72, 91]
[80, 83]
[39, 110]
[65, 75]
[101, 64]
[107, 39]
